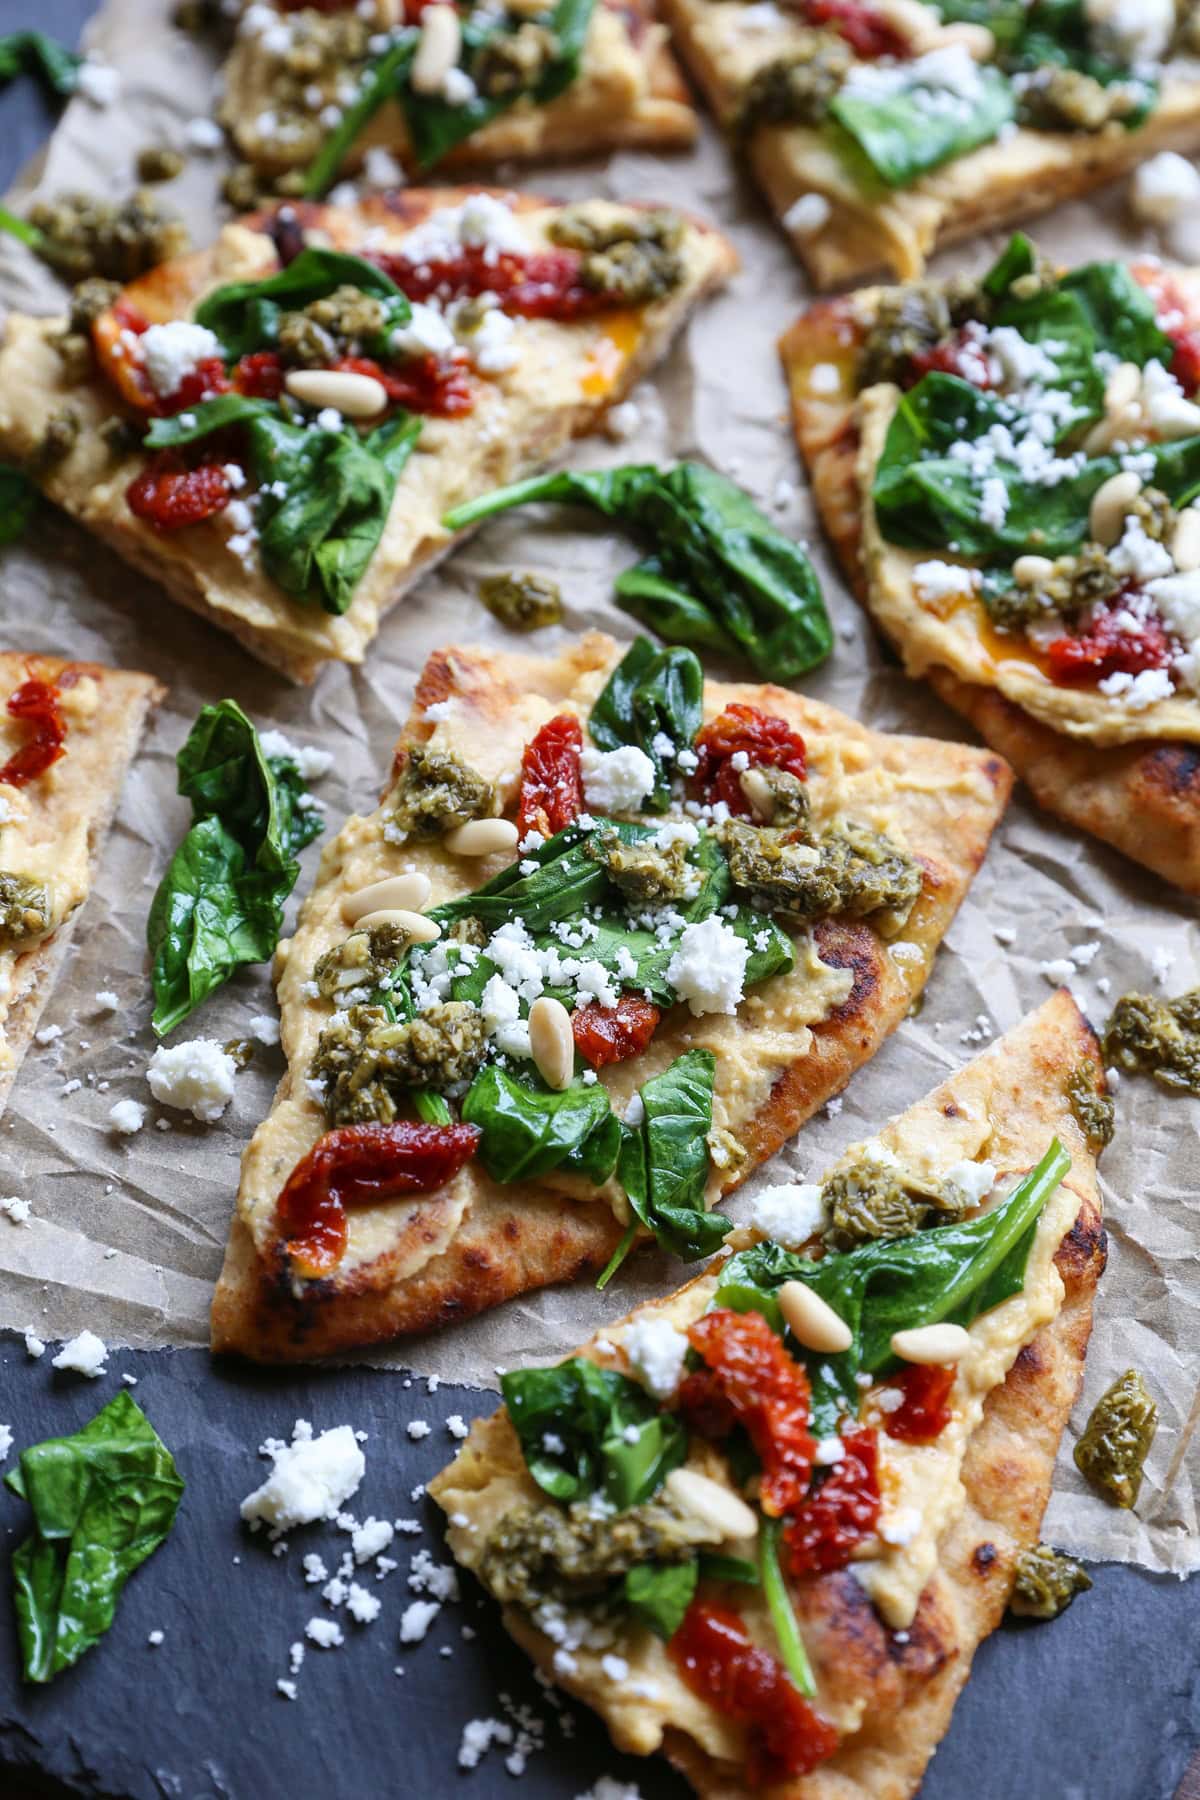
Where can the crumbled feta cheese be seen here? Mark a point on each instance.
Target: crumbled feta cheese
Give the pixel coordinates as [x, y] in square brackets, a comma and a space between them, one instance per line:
[622, 421]
[372, 1536]
[287, 1688]
[457, 1426]
[902, 1527]
[975, 1179]
[34, 1346]
[362, 1606]
[196, 1077]
[807, 215]
[312, 1478]
[416, 1620]
[934, 581]
[418, 1428]
[829, 1451]
[47, 1034]
[1134, 33]
[635, 1112]
[107, 1001]
[127, 1116]
[478, 1736]
[789, 1213]
[98, 82]
[265, 1028]
[616, 780]
[708, 969]
[16, 1210]
[1138, 691]
[6, 1441]
[311, 761]
[1163, 187]
[203, 134]
[425, 334]
[381, 169]
[327, 1634]
[172, 352]
[1059, 970]
[491, 343]
[83, 1355]
[656, 1351]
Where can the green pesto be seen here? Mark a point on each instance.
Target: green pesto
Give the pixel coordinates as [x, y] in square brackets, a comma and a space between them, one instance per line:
[796, 88]
[437, 792]
[1091, 1105]
[850, 872]
[1117, 1438]
[637, 256]
[539, 1552]
[1157, 1037]
[913, 318]
[25, 908]
[643, 872]
[370, 1063]
[1045, 1583]
[522, 602]
[514, 62]
[869, 1201]
[360, 961]
[1062, 99]
[85, 235]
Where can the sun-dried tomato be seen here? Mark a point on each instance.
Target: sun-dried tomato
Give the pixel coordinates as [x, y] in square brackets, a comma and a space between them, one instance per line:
[207, 379]
[424, 384]
[551, 782]
[358, 1164]
[260, 374]
[923, 1413]
[866, 31]
[960, 355]
[1185, 359]
[169, 495]
[545, 284]
[844, 1510]
[743, 731]
[1113, 644]
[750, 1380]
[720, 1662]
[35, 703]
[129, 317]
[609, 1034]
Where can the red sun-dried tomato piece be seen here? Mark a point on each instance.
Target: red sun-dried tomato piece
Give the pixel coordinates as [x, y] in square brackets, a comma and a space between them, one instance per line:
[844, 1510]
[260, 374]
[750, 1380]
[35, 703]
[1109, 647]
[720, 1662]
[866, 31]
[551, 782]
[545, 284]
[423, 384]
[129, 317]
[1185, 359]
[169, 495]
[207, 379]
[960, 355]
[923, 1413]
[764, 741]
[358, 1164]
[609, 1034]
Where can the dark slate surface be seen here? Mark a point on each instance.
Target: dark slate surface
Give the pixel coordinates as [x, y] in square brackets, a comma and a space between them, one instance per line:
[1104, 1704]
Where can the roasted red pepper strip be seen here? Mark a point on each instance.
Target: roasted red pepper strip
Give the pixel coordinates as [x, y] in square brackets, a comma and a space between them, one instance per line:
[923, 1414]
[1109, 647]
[764, 740]
[718, 1660]
[750, 1380]
[551, 783]
[844, 1511]
[609, 1034]
[423, 384]
[36, 703]
[355, 1165]
[169, 495]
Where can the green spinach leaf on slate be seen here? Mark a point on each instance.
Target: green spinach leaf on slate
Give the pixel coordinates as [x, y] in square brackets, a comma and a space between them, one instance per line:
[573, 1421]
[33, 53]
[650, 694]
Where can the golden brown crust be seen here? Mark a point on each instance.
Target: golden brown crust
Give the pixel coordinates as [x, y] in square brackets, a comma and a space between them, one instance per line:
[513, 1241]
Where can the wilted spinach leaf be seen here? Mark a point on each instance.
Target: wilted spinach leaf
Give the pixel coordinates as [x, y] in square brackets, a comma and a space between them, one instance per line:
[663, 1165]
[650, 694]
[18, 497]
[245, 315]
[529, 1130]
[33, 53]
[658, 1594]
[919, 126]
[572, 1422]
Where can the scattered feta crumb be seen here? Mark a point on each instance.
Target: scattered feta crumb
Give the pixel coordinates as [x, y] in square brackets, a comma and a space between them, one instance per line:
[807, 215]
[372, 1536]
[203, 134]
[34, 1346]
[312, 1478]
[327, 1634]
[107, 1001]
[127, 1116]
[6, 1441]
[457, 1426]
[196, 1076]
[616, 780]
[416, 1620]
[47, 1034]
[98, 82]
[362, 1606]
[155, 1639]
[83, 1355]
[974, 1179]
[417, 1429]
[1163, 187]
[789, 1213]
[311, 762]
[265, 1028]
[622, 421]
[708, 969]
[1059, 970]
[657, 1351]
[286, 1688]
[16, 1210]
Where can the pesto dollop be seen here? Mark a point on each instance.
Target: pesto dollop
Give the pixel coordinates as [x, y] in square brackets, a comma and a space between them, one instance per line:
[849, 872]
[437, 792]
[1091, 1105]
[1161, 1038]
[535, 1553]
[1116, 1441]
[370, 1063]
[25, 909]
[1045, 1583]
[522, 602]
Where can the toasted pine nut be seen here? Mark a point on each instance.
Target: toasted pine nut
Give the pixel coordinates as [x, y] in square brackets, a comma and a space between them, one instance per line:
[355, 396]
[931, 1344]
[407, 892]
[1031, 571]
[438, 51]
[1123, 386]
[1185, 540]
[712, 1503]
[552, 1042]
[1115, 427]
[1110, 504]
[977, 40]
[416, 927]
[757, 790]
[812, 1320]
[481, 837]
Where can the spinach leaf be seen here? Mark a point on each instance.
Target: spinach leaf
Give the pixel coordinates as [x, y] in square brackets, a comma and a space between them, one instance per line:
[792, 1653]
[33, 53]
[947, 1272]
[18, 497]
[1005, 19]
[324, 496]
[1119, 311]
[528, 1130]
[658, 1594]
[21, 229]
[721, 576]
[220, 903]
[663, 1165]
[1058, 323]
[102, 1501]
[919, 125]
[572, 1422]
[1018, 256]
[245, 315]
[715, 1567]
[650, 694]
[379, 81]
[566, 881]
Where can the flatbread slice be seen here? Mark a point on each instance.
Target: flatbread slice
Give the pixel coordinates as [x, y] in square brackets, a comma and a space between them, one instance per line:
[529, 382]
[1120, 766]
[54, 820]
[890, 1636]
[843, 220]
[791, 1042]
[628, 94]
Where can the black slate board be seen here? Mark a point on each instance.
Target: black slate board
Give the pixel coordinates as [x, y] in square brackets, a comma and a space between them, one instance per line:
[1104, 1704]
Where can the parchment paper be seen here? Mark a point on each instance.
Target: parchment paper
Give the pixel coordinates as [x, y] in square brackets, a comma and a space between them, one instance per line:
[127, 1233]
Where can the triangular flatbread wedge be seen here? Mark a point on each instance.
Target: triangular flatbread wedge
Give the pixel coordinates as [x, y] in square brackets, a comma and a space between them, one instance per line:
[1073, 657]
[282, 511]
[68, 732]
[626, 90]
[882, 132]
[941, 1480]
[780, 1010]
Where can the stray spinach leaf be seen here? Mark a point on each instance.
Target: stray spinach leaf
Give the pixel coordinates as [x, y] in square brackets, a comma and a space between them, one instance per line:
[663, 1165]
[721, 576]
[324, 495]
[528, 1131]
[792, 1653]
[33, 53]
[220, 903]
[649, 695]
[18, 497]
[905, 133]
[102, 1501]
[572, 1422]
[245, 315]
[658, 1594]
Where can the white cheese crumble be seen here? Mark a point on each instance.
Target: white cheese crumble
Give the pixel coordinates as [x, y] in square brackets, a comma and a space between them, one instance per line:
[823, 378]
[6, 1441]
[789, 1213]
[657, 1351]
[325, 1633]
[16, 1210]
[708, 970]
[943, 581]
[34, 1346]
[416, 1620]
[616, 780]
[1136, 692]
[807, 215]
[172, 352]
[975, 1179]
[196, 1077]
[107, 1001]
[312, 1478]
[481, 222]
[83, 1355]
[1163, 187]
[127, 1116]
[203, 134]
[425, 334]
[369, 1538]
[98, 82]
[311, 761]
[622, 421]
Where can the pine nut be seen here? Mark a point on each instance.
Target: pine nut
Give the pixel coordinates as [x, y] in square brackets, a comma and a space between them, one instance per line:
[1110, 504]
[1185, 541]
[1032, 571]
[931, 1344]
[757, 790]
[552, 1042]
[812, 1320]
[415, 926]
[1115, 427]
[407, 892]
[438, 51]
[711, 1503]
[976, 40]
[354, 396]
[481, 837]
[1123, 387]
